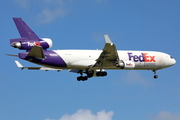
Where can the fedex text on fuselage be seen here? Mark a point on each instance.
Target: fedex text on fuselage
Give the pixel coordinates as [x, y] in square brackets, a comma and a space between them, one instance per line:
[143, 57]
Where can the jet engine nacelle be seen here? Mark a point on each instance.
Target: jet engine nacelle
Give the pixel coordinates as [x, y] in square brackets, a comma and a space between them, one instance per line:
[24, 44]
[125, 64]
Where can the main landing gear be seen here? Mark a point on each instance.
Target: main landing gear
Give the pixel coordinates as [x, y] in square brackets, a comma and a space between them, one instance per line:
[155, 76]
[82, 78]
[90, 74]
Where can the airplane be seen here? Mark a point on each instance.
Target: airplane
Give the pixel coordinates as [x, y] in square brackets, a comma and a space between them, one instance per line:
[92, 63]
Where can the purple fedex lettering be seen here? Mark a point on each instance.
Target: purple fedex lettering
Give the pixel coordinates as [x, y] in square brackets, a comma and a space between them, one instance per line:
[130, 56]
[141, 58]
[136, 58]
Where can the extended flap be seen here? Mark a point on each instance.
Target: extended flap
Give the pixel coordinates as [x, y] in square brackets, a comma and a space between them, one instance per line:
[37, 52]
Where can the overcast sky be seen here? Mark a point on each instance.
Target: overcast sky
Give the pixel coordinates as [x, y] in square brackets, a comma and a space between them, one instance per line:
[81, 24]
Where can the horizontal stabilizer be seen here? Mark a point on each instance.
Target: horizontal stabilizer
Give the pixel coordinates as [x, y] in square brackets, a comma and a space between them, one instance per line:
[37, 52]
[18, 64]
[12, 55]
[35, 68]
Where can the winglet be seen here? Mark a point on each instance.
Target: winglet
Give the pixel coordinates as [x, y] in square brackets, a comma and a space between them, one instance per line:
[108, 39]
[19, 64]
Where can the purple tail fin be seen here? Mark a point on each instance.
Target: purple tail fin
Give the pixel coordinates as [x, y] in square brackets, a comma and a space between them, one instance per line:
[28, 38]
[24, 29]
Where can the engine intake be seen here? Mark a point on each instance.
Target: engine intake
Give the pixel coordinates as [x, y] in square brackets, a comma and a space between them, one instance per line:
[16, 45]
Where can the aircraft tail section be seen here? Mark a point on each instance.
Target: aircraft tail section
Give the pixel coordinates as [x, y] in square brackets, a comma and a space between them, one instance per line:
[28, 38]
[24, 29]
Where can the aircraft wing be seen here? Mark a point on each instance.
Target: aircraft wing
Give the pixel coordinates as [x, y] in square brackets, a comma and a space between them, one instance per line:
[109, 55]
[35, 68]
[11, 55]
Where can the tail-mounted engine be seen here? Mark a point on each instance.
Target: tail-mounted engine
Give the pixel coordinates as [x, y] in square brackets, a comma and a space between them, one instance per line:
[25, 44]
[125, 64]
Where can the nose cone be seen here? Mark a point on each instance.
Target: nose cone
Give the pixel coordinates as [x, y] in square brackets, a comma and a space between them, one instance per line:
[170, 61]
[173, 61]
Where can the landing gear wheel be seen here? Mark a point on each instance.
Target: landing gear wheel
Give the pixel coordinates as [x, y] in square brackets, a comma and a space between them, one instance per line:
[104, 73]
[81, 78]
[101, 74]
[85, 78]
[155, 76]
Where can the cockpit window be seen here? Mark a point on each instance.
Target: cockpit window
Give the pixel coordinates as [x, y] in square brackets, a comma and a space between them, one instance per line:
[171, 57]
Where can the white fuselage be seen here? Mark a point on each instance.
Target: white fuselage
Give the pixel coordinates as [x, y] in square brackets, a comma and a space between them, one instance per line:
[142, 60]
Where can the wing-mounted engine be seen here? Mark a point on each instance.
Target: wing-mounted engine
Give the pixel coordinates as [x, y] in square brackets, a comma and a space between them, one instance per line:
[25, 44]
[125, 64]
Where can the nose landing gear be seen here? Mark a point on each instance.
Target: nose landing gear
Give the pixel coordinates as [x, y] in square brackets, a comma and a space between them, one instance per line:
[155, 76]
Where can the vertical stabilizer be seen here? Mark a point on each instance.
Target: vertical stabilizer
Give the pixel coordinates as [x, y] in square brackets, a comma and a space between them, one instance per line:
[28, 38]
[24, 29]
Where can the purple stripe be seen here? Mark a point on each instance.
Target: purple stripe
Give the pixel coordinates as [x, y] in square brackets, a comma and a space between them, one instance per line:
[51, 58]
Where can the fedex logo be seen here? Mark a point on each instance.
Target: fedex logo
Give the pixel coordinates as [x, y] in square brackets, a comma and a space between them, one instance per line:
[129, 64]
[34, 44]
[144, 57]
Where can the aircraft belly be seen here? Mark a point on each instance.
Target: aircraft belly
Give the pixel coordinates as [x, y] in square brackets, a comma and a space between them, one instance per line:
[78, 58]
